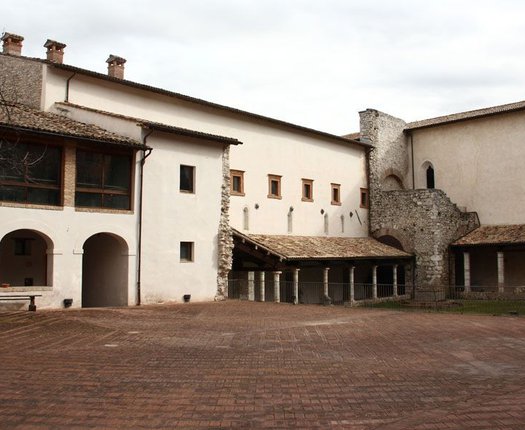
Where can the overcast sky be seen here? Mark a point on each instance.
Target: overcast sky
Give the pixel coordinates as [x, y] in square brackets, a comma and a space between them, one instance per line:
[311, 62]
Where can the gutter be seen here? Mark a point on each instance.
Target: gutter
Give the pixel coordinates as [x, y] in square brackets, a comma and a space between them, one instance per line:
[146, 153]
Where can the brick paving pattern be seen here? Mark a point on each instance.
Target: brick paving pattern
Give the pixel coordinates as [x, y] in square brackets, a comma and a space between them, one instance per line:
[260, 365]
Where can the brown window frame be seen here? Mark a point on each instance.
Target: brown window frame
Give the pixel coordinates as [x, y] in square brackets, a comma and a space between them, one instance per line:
[364, 192]
[29, 183]
[304, 184]
[276, 178]
[106, 190]
[333, 187]
[237, 174]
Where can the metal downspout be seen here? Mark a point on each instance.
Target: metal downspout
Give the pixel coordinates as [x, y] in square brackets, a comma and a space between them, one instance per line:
[146, 154]
[67, 86]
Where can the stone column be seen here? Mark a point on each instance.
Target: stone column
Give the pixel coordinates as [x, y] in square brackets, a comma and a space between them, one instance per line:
[352, 284]
[394, 278]
[374, 282]
[262, 293]
[501, 272]
[251, 286]
[296, 285]
[325, 281]
[466, 271]
[277, 286]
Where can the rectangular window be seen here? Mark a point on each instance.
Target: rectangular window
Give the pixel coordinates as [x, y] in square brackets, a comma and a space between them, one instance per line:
[22, 246]
[308, 190]
[236, 182]
[274, 186]
[364, 198]
[336, 194]
[186, 252]
[31, 173]
[187, 179]
[103, 180]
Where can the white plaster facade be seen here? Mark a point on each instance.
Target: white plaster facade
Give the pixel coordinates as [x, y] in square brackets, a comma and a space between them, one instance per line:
[170, 216]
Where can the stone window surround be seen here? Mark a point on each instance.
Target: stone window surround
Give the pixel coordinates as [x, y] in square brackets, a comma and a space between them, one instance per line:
[274, 179]
[335, 187]
[307, 190]
[240, 175]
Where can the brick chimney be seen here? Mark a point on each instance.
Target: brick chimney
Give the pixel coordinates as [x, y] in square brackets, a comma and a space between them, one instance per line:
[116, 66]
[12, 44]
[55, 51]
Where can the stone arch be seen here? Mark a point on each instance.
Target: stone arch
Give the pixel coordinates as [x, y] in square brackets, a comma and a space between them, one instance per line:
[105, 270]
[392, 181]
[394, 238]
[26, 258]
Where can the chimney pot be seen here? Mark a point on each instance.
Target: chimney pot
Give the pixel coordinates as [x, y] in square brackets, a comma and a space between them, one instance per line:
[12, 44]
[116, 66]
[55, 51]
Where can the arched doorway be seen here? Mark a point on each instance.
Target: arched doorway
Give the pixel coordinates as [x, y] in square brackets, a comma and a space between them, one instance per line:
[26, 259]
[104, 271]
[429, 175]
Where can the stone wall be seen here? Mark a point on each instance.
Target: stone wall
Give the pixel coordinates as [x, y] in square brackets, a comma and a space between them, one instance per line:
[21, 80]
[424, 221]
[225, 239]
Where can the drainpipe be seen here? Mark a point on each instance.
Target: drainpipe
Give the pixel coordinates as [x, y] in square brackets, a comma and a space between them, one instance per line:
[146, 154]
[67, 86]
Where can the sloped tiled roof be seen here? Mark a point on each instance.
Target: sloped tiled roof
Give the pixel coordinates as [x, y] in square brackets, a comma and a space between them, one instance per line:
[205, 103]
[323, 248]
[494, 235]
[155, 125]
[461, 116]
[23, 117]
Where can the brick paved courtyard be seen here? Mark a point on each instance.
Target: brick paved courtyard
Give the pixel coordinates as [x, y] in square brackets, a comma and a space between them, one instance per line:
[260, 365]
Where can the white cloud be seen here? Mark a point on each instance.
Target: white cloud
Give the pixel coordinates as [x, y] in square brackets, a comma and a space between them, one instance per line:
[310, 62]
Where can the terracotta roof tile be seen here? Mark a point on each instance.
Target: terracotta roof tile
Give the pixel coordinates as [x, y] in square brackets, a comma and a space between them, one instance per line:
[323, 248]
[155, 125]
[207, 104]
[494, 235]
[461, 116]
[23, 117]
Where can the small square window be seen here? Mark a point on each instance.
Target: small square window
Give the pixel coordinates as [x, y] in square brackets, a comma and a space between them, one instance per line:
[236, 182]
[336, 194]
[274, 186]
[186, 252]
[364, 203]
[308, 190]
[187, 179]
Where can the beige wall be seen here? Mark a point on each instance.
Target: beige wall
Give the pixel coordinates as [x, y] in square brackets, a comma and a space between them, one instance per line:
[478, 164]
[267, 149]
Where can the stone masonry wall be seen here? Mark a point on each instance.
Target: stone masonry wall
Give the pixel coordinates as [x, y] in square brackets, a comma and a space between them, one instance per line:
[225, 237]
[424, 221]
[21, 80]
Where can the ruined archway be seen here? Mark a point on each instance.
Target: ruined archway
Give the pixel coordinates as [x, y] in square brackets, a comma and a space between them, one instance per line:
[26, 259]
[105, 271]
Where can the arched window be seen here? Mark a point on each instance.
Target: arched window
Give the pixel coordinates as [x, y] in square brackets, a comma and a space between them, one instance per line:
[430, 177]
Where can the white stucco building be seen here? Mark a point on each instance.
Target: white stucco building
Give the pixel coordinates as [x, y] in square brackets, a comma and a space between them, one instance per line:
[148, 184]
